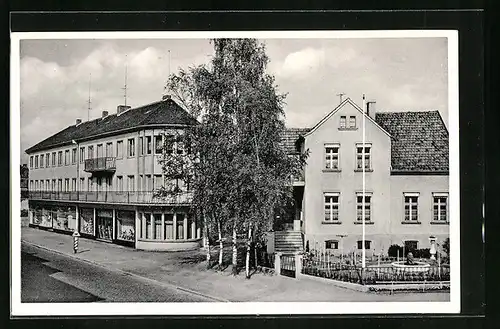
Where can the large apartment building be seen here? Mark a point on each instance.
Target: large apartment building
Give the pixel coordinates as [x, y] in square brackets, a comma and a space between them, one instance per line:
[406, 179]
[98, 177]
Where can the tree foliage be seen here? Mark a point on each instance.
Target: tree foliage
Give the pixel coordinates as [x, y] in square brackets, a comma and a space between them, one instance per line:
[237, 166]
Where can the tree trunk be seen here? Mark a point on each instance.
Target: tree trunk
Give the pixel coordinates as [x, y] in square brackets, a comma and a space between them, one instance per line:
[255, 251]
[221, 245]
[205, 238]
[247, 261]
[235, 253]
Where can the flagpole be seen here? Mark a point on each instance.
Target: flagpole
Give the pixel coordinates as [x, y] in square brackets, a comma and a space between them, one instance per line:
[363, 261]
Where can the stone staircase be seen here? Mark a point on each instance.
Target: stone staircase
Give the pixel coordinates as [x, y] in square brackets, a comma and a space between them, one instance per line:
[288, 242]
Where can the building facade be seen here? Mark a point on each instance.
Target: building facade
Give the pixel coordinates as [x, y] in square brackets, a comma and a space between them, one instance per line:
[406, 179]
[99, 178]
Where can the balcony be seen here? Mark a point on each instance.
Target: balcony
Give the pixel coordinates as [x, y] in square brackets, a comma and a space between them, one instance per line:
[104, 164]
[119, 197]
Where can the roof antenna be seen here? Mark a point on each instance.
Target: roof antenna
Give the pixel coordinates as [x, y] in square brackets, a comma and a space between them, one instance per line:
[125, 84]
[166, 93]
[89, 102]
[341, 95]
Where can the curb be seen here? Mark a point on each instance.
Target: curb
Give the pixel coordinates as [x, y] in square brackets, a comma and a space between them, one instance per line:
[142, 278]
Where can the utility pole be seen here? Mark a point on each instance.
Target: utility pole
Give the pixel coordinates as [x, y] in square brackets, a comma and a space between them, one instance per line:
[125, 84]
[363, 260]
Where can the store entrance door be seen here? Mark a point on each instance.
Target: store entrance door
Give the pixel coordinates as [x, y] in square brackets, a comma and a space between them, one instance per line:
[105, 225]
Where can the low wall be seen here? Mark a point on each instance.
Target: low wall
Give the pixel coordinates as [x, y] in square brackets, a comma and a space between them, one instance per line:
[342, 284]
[178, 245]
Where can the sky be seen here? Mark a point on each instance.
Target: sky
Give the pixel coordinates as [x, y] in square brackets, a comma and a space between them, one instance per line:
[400, 74]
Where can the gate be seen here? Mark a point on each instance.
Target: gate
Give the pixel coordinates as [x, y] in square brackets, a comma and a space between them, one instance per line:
[287, 265]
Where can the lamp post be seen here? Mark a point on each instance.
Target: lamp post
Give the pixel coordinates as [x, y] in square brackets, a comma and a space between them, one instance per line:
[77, 219]
[432, 240]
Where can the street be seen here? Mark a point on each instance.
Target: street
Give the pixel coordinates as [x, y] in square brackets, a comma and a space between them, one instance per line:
[51, 277]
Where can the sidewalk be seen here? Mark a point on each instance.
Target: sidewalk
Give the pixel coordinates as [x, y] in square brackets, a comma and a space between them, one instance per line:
[187, 271]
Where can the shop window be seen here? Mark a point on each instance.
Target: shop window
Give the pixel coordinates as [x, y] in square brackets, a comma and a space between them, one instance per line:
[157, 226]
[169, 227]
[148, 226]
[125, 228]
[180, 226]
[87, 221]
[104, 221]
[65, 218]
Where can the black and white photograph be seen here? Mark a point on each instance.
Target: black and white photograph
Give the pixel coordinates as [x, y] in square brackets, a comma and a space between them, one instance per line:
[235, 172]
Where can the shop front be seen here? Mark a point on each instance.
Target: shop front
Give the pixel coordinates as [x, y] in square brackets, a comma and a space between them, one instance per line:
[87, 222]
[54, 217]
[104, 221]
[125, 227]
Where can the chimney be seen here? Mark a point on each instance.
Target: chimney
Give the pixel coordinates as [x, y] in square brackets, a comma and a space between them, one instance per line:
[122, 108]
[370, 109]
[78, 121]
[104, 114]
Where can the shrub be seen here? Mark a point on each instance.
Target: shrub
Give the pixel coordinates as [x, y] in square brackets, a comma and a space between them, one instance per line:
[393, 250]
[24, 212]
[422, 253]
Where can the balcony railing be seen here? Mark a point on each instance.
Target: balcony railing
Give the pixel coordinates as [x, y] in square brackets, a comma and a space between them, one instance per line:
[104, 164]
[124, 197]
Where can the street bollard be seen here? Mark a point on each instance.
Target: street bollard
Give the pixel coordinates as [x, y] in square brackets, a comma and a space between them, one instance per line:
[76, 238]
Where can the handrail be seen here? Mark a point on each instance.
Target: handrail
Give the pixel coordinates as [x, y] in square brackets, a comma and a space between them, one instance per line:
[141, 197]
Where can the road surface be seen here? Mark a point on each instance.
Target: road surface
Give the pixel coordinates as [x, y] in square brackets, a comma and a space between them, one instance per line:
[51, 277]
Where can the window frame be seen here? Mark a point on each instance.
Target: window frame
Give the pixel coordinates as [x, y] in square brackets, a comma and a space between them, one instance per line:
[141, 145]
[41, 160]
[36, 161]
[440, 195]
[130, 147]
[343, 122]
[332, 218]
[368, 244]
[82, 154]
[59, 158]
[119, 147]
[410, 204]
[31, 161]
[109, 150]
[67, 160]
[54, 156]
[359, 207]
[331, 242]
[368, 145]
[330, 160]
[47, 160]
[350, 126]
[74, 154]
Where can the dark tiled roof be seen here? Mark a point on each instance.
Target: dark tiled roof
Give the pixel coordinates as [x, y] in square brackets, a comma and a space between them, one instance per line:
[290, 138]
[419, 140]
[164, 112]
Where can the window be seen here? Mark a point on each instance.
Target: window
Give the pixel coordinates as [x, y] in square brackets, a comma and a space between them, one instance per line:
[66, 157]
[47, 160]
[36, 161]
[54, 188]
[411, 245]
[352, 122]
[59, 158]
[66, 185]
[41, 160]
[109, 149]
[53, 159]
[180, 226]
[99, 151]
[331, 207]
[130, 184]
[73, 184]
[82, 154]
[73, 156]
[331, 244]
[440, 207]
[158, 144]
[140, 183]
[47, 185]
[90, 152]
[158, 182]
[31, 161]
[169, 144]
[119, 149]
[148, 226]
[31, 185]
[41, 185]
[82, 184]
[342, 122]
[332, 156]
[359, 207]
[148, 145]
[148, 186]
[141, 146]
[157, 226]
[169, 227]
[119, 183]
[90, 184]
[411, 207]
[36, 185]
[368, 244]
[131, 147]
[359, 156]
[179, 145]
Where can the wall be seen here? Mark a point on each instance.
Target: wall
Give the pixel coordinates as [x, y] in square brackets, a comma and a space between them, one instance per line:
[125, 166]
[347, 181]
